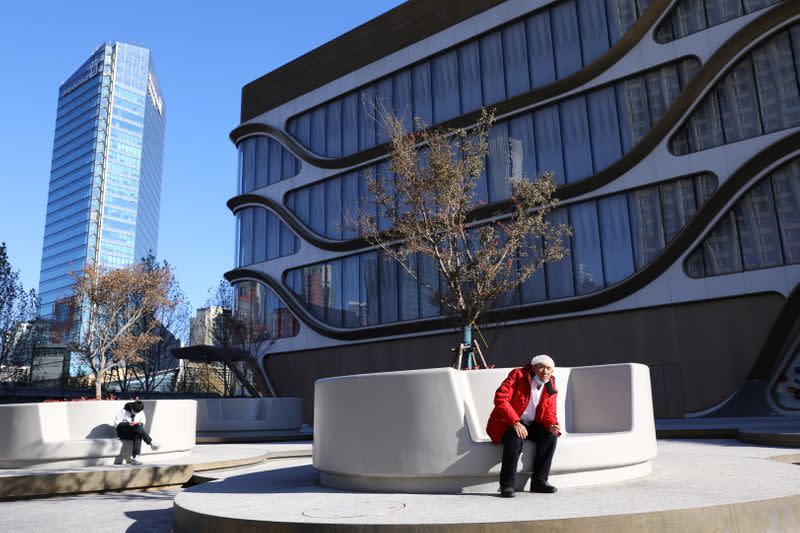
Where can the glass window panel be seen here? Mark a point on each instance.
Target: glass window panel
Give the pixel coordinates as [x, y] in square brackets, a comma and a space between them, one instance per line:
[738, 103]
[494, 86]
[260, 167]
[704, 129]
[721, 253]
[333, 208]
[663, 86]
[688, 17]
[566, 38]
[318, 131]
[317, 208]
[515, 56]
[350, 107]
[586, 254]
[369, 288]
[794, 33]
[719, 11]
[444, 72]
[755, 5]
[428, 286]
[522, 146]
[559, 274]
[533, 289]
[469, 63]
[351, 301]
[349, 204]
[540, 49]
[633, 111]
[548, 143]
[786, 188]
[315, 294]
[421, 82]
[575, 133]
[593, 28]
[261, 235]
[249, 164]
[367, 127]
[677, 205]
[333, 128]
[604, 123]
[383, 173]
[402, 99]
[777, 84]
[615, 233]
[289, 242]
[383, 101]
[302, 197]
[246, 238]
[388, 289]
[333, 293]
[275, 159]
[273, 234]
[498, 165]
[646, 225]
[409, 291]
[621, 16]
[758, 228]
[704, 186]
[694, 264]
[364, 196]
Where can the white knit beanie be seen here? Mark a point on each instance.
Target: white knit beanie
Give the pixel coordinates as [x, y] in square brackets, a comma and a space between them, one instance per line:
[543, 360]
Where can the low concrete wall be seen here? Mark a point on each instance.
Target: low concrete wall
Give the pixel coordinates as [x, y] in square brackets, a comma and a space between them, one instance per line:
[82, 433]
[248, 414]
[424, 430]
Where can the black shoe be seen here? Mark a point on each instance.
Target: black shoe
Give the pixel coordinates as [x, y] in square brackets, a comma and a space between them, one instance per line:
[542, 486]
[507, 493]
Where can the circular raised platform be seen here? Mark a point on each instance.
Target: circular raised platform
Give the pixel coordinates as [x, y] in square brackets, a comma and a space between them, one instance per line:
[695, 486]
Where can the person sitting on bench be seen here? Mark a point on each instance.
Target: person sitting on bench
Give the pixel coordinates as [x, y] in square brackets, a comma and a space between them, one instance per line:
[130, 426]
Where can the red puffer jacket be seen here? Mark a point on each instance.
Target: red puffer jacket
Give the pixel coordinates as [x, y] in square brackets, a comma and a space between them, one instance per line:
[512, 398]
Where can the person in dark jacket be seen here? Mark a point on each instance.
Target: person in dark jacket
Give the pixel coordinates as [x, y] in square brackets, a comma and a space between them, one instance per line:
[525, 408]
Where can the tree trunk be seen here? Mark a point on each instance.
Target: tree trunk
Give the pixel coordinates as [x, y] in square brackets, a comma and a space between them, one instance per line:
[98, 386]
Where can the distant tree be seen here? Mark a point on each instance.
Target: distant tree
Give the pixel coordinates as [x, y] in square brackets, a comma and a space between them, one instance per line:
[169, 326]
[425, 217]
[18, 331]
[118, 310]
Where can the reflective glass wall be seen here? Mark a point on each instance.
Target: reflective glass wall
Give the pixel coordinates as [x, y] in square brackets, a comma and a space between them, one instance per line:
[613, 237]
[261, 236]
[692, 16]
[574, 139]
[527, 53]
[759, 95]
[761, 231]
[264, 161]
[265, 311]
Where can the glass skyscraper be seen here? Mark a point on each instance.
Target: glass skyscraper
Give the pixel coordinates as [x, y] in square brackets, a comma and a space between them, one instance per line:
[105, 179]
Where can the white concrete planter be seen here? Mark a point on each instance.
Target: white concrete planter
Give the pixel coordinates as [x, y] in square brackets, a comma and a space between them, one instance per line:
[425, 430]
[249, 414]
[81, 433]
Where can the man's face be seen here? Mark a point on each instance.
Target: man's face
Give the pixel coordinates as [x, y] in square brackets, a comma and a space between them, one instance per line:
[543, 372]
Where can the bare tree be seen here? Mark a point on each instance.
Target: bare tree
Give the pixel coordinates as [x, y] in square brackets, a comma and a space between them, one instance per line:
[18, 331]
[113, 304]
[426, 214]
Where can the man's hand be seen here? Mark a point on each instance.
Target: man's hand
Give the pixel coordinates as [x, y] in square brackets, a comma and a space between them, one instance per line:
[555, 429]
[522, 431]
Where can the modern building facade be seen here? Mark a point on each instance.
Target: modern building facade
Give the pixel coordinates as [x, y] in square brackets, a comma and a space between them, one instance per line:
[672, 128]
[105, 180]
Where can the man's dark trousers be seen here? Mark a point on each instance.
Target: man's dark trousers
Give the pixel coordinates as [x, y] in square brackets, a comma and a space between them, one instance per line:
[512, 447]
[136, 433]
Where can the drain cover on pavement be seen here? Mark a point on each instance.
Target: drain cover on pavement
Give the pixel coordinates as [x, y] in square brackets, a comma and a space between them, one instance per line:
[358, 509]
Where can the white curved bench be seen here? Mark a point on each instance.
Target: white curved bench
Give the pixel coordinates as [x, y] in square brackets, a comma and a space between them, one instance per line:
[81, 433]
[249, 414]
[425, 430]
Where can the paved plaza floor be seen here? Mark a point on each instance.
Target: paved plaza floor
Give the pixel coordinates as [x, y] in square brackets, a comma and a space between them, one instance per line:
[708, 479]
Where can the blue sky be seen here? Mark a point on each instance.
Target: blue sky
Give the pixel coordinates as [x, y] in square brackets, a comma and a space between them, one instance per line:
[204, 53]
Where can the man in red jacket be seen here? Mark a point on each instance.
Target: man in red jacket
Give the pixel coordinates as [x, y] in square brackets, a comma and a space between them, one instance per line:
[525, 408]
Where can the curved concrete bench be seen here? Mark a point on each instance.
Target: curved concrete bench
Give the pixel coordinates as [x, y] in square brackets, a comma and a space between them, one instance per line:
[81, 433]
[249, 414]
[424, 430]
